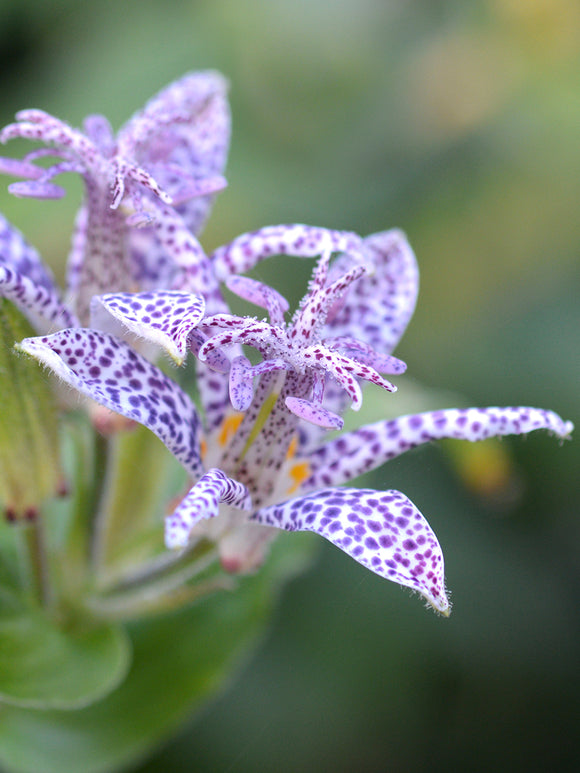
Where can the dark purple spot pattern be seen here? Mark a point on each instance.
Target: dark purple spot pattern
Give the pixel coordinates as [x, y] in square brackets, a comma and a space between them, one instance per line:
[302, 241]
[385, 547]
[163, 317]
[107, 370]
[203, 501]
[345, 458]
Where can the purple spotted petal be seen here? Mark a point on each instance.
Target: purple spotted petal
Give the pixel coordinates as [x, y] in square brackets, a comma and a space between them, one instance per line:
[302, 241]
[382, 530]
[41, 305]
[185, 127]
[164, 318]
[17, 254]
[110, 372]
[379, 306]
[202, 502]
[357, 452]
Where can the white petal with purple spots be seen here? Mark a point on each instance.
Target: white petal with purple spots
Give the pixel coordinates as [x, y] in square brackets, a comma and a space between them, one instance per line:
[382, 530]
[164, 318]
[202, 502]
[366, 448]
[110, 372]
[302, 241]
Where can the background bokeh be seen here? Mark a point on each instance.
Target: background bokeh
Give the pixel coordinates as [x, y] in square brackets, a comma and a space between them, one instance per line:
[458, 122]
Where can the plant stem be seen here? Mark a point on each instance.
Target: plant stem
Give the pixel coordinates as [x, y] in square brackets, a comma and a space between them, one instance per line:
[37, 559]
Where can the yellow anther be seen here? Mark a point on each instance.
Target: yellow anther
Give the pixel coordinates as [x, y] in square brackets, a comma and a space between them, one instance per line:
[292, 447]
[203, 448]
[229, 427]
[299, 473]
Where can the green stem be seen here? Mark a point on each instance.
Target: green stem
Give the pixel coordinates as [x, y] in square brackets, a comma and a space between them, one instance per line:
[38, 575]
[102, 476]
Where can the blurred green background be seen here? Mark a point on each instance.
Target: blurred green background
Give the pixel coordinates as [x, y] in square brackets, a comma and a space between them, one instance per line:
[458, 122]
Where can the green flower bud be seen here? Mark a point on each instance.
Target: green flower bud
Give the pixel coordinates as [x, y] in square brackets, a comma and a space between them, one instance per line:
[29, 451]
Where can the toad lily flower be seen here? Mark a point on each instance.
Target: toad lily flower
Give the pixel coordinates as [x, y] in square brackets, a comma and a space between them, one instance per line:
[148, 192]
[265, 463]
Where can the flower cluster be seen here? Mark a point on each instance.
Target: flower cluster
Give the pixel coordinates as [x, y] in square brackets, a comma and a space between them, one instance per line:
[255, 450]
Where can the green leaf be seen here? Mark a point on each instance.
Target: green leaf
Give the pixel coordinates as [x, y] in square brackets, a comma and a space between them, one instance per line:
[179, 661]
[45, 667]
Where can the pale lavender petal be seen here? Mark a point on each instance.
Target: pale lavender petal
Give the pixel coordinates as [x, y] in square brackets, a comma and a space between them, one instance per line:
[41, 305]
[302, 241]
[357, 452]
[202, 502]
[314, 413]
[382, 530]
[378, 308]
[112, 373]
[186, 125]
[164, 318]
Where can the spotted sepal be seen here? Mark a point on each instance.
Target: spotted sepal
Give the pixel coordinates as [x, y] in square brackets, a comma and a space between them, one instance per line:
[379, 306]
[203, 501]
[182, 135]
[382, 530]
[17, 254]
[42, 306]
[302, 241]
[164, 318]
[366, 448]
[110, 372]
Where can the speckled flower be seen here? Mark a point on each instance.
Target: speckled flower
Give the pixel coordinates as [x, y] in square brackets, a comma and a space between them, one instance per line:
[261, 460]
[147, 193]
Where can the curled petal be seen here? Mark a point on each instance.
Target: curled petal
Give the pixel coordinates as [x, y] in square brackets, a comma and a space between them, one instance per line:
[314, 413]
[164, 318]
[203, 501]
[302, 241]
[378, 308]
[260, 335]
[110, 372]
[364, 449]
[382, 530]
